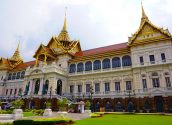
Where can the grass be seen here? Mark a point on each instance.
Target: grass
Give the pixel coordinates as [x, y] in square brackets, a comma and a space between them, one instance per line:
[127, 119]
[27, 114]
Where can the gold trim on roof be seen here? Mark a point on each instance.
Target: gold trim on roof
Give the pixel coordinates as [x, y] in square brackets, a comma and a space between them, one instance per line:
[16, 56]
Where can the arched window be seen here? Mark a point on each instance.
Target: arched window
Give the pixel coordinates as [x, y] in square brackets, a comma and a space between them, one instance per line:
[45, 87]
[106, 63]
[59, 87]
[88, 66]
[14, 76]
[116, 62]
[126, 61]
[97, 65]
[72, 68]
[80, 67]
[22, 74]
[27, 88]
[37, 84]
[118, 107]
[18, 75]
[9, 76]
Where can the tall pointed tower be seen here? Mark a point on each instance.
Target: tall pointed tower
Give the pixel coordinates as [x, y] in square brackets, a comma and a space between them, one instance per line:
[64, 36]
[16, 58]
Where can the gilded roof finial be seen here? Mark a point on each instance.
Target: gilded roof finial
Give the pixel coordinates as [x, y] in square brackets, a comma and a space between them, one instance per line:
[64, 36]
[64, 25]
[16, 55]
[144, 16]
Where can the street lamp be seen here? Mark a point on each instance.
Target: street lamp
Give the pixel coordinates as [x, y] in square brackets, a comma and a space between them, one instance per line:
[50, 91]
[91, 94]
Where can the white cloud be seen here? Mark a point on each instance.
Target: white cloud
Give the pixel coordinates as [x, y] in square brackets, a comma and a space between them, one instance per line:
[94, 22]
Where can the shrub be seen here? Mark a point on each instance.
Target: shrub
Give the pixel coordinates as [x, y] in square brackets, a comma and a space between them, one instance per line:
[62, 104]
[6, 111]
[87, 105]
[38, 111]
[23, 122]
[17, 103]
[6, 123]
[27, 110]
[48, 104]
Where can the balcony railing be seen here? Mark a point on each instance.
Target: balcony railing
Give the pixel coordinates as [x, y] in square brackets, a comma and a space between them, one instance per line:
[110, 94]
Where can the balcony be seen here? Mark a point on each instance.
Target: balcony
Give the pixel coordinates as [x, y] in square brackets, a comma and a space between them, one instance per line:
[101, 70]
[51, 68]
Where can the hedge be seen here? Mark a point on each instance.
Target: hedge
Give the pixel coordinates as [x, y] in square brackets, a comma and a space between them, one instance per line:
[6, 123]
[41, 121]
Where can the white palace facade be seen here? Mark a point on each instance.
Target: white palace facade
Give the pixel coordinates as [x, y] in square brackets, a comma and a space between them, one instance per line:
[137, 71]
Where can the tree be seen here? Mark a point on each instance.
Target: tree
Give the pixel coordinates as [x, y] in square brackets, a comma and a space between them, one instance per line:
[17, 103]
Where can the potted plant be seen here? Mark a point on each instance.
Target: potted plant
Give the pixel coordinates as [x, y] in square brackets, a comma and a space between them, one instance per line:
[47, 111]
[87, 107]
[48, 105]
[62, 104]
[18, 112]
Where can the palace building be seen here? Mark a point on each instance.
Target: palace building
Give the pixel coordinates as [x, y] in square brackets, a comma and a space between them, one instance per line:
[138, 71]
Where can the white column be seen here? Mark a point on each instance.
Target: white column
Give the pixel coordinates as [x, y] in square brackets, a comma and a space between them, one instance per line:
[121, 62]
[41, 86]
[30, 87]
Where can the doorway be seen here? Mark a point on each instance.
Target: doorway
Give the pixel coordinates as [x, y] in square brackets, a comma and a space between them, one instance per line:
[159, 104]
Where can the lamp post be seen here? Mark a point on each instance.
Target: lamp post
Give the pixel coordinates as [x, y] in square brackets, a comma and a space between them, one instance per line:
[50, 91]
[91, 95]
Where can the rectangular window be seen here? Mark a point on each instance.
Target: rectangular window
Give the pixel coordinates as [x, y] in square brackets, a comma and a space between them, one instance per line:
[141, 60]
[7, 92]
[117, 86]
[144, 83]
[128, 85]
[163, 57]
[107, 87]
[168, 82]
[71, 88]
[155, 82]
[87, 87]
[97, 87]
[152, 59]
[11, 90]
[79, 88]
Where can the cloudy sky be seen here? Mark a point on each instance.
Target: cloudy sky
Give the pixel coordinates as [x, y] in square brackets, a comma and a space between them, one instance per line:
[95, 23]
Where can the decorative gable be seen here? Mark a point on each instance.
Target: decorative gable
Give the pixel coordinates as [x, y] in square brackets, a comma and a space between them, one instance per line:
[147, 33]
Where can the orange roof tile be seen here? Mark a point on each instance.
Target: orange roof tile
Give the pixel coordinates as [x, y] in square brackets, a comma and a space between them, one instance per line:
[24, 65]
[102, 49]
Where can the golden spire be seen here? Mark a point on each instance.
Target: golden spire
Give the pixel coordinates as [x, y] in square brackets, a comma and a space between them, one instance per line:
[16, 55]
[64, 36]
[64, 25]
[144, 16]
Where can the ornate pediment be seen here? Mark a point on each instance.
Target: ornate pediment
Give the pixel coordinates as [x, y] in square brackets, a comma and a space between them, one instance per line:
[148, 32]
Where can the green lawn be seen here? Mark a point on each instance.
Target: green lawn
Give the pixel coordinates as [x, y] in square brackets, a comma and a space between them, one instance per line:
[127, 119]
[27, 114]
